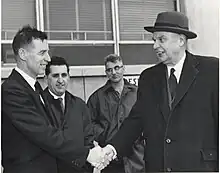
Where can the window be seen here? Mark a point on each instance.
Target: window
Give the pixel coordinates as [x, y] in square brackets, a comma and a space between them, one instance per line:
[78, 19]
[135, 44]
[135, 14]
[15, 14]
[78, 55]
[81, 30]
[134, 54]
[7, 54]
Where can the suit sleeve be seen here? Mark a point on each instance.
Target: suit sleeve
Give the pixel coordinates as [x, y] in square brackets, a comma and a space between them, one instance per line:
[94, 111]
[88, 128]
[131, 128]
[25, 113]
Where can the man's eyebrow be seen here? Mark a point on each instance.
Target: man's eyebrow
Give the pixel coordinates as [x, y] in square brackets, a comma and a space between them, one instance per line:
[43, 51]
[159, 37]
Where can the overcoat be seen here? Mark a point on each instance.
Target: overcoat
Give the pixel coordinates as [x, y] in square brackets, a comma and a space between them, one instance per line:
[76, 118]
[182, 136]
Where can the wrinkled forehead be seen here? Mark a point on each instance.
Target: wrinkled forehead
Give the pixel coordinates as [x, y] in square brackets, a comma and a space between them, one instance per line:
[113, 64]
[58, 69]
[159, 34]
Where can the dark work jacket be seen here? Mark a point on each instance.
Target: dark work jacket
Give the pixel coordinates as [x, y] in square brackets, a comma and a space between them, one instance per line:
[108, 111]
[30, 143]
[76, 118]
[185, 137]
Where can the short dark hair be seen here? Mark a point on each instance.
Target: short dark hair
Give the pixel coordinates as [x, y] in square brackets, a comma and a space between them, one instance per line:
[112, 58]
[25, 36]
[56, 60]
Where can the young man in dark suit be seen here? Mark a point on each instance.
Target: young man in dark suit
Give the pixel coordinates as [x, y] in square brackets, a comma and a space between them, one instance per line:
[177, 104]
[66, 110]
[30, 142]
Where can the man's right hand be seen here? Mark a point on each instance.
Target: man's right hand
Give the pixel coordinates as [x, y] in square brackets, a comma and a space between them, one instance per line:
[110, 152]
[101, 157]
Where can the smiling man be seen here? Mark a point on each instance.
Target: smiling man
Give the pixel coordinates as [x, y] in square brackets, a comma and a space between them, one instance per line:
[67, 111]
[31, 139]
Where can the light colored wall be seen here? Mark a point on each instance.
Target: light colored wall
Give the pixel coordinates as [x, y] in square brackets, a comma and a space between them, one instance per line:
[204, 20]
[86, 79]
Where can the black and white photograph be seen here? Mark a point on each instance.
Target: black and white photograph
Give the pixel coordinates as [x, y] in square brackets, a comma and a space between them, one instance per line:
[110, 86]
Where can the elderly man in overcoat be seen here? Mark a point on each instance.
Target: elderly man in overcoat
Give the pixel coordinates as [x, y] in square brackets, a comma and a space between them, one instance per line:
[177, 104]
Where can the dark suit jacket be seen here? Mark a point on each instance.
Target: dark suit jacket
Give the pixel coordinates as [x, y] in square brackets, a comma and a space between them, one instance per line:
[76, 118]
[185, 137]
[30, 142]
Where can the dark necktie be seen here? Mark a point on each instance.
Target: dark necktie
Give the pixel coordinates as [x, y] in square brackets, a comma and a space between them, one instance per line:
[38, 88]
[172, 84]
[61, 104]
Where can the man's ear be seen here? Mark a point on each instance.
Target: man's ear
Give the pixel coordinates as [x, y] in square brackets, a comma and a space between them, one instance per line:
[22, 54]
[182, 40]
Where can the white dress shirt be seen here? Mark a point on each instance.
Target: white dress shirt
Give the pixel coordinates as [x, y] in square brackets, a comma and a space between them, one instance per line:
[178, 68]
[31, 81]
[56, 97]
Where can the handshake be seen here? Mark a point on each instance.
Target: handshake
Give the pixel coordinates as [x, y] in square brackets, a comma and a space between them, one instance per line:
[101, 157]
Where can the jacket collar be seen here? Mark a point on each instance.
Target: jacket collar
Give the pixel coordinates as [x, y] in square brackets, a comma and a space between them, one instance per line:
[127, 86]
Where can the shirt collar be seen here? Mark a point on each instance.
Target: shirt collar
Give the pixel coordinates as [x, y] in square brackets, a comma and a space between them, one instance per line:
[31, 81]
[127, 86]
[178, 67]
[55, 96]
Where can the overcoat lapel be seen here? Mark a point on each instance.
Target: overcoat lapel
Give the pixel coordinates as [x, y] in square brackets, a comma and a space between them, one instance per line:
[160, 87]
[51, 108]
[188, 75]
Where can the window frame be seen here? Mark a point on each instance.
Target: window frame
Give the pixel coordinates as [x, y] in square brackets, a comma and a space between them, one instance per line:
[115, 30]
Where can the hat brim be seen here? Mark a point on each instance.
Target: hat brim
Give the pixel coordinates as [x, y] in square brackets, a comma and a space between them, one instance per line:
[187, 33]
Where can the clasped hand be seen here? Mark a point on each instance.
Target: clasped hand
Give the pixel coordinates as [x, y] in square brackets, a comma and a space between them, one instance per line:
[100, 157]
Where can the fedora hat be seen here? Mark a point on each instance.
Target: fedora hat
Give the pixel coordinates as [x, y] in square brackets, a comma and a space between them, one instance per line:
[172, 22]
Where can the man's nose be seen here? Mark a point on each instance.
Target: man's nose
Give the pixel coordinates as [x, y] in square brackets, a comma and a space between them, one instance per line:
[156, 45]
[60, 79]
[47, 57]
[113, 71]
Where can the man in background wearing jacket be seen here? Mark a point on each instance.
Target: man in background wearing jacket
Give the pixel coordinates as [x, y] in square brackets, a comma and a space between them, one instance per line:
[110, 106]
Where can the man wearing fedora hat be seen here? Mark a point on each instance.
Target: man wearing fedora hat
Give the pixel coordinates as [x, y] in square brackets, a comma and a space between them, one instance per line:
[177, 104]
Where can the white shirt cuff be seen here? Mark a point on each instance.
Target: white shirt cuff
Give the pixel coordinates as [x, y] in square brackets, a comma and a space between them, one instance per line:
[114, 150]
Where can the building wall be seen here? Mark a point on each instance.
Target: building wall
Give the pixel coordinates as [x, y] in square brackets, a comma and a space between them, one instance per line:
[204, 20]
[86, 79]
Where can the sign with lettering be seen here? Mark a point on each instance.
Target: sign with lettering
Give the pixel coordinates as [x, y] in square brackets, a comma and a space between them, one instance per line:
[132, 79]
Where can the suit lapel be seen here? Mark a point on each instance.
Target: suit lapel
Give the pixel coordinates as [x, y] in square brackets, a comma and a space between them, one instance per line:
[19, 78]
[188, 75]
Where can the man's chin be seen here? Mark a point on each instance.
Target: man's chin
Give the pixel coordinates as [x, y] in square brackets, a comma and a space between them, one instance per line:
[41, 73]
[115, 80]
[60, 93]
